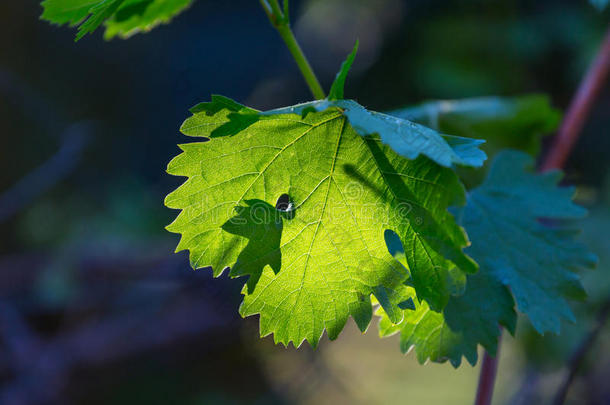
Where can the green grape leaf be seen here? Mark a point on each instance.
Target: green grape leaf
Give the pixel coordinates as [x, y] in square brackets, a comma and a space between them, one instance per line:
[121, 17]
[522, 232]
[70, 12]
[300, 203]
[465, 322]
[405, 137]
[142, 16]
[338, 86]
[504, 122]
[520, 224]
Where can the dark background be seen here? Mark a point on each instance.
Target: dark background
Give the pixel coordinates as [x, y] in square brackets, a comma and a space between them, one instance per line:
[95, 307]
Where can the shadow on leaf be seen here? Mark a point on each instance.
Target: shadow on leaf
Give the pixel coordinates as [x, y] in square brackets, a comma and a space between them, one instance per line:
[262, 224]
[441, 279]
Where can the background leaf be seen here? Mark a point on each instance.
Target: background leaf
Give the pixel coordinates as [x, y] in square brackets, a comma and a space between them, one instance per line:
[121, 17]
[535, 260]
[503, 122]
[522, 232]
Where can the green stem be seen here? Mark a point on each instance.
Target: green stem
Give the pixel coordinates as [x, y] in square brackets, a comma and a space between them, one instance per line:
[281, 23]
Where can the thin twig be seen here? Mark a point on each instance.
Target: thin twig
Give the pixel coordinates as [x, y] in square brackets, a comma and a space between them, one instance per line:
[579, 355]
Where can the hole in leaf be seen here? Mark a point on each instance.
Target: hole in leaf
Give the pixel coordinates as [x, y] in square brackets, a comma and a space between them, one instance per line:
[285, 206]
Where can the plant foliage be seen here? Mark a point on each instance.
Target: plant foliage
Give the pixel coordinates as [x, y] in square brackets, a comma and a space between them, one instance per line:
[327, 208]
[522, 232]
[326, 253]
[121, 18]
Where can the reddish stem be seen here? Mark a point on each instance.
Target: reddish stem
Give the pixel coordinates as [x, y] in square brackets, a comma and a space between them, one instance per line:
[487, 377]
[580, 108]
[565, 140]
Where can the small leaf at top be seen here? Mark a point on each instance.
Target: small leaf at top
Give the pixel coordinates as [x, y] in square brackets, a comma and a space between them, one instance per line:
[336, 90]
[121, 17]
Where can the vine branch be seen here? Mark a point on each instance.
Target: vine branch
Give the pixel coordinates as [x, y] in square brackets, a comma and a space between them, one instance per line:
[281, 22]
[566, 138]
[487, 377]
[580, 108]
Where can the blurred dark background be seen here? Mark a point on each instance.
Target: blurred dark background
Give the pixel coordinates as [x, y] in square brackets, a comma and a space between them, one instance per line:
[94, 305]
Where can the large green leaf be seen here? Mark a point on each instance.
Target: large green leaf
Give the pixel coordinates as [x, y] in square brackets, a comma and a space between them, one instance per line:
[551, 351]
[520, 225]
[522, 230]
[121, 17]
[318, 259]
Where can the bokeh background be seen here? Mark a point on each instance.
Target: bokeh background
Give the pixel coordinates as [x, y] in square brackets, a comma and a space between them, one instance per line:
[94, 306]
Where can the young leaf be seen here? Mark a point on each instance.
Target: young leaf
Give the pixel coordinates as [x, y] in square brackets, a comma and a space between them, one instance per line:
[405, 137]
[522, 233]
[320, 260]
[336, 90]
[122, 17]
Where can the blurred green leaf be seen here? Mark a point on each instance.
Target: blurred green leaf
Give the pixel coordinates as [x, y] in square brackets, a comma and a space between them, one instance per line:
[503, 122]
[550, 351]
[121, 17]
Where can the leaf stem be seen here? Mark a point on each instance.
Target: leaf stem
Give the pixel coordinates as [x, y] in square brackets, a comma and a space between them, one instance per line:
[487, 376]
[281, 22]
[580, 108]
